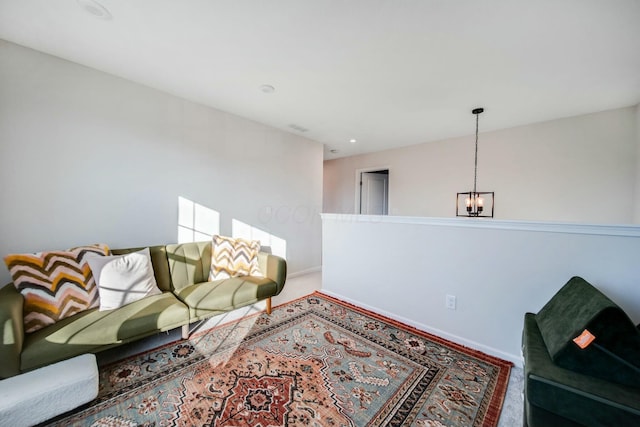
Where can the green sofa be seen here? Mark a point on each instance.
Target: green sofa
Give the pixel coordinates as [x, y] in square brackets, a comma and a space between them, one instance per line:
[566, 385]
[181, 272]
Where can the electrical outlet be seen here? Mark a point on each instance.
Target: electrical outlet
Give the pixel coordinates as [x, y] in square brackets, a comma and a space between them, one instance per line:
[450, 302]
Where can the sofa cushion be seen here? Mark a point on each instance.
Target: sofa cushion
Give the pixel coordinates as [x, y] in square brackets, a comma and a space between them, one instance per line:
[225, 295]
[581, 398]
[94, 330]
[189, 263]
[55, 284]
[234, 258]
[123, 279]
[613, 355]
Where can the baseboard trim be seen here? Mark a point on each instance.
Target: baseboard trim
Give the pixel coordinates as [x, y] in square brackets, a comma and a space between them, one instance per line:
[304, 272]
[516, 360]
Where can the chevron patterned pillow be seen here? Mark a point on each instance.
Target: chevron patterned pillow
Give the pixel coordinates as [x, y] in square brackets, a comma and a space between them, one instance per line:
[233, 258]
[55, 284]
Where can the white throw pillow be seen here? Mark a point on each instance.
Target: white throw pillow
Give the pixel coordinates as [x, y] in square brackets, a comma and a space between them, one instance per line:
[123, 279]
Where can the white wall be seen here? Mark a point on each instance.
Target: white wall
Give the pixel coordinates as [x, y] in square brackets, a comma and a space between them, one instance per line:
[636, 217]
[404, 267]
[88, 157]
[581, 169]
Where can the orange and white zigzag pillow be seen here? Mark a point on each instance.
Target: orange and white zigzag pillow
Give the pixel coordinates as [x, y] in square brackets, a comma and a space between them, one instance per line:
[233, 258]
[55, 284]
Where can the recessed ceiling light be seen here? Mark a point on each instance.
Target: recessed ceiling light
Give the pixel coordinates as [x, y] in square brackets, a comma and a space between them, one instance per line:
[353, 141]
[95, 8]
[267, 88]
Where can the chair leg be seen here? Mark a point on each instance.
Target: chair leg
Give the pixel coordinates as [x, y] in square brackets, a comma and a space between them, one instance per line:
[269, 305]
[185, 331]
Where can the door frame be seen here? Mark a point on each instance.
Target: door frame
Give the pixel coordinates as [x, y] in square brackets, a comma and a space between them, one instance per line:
[358, 187]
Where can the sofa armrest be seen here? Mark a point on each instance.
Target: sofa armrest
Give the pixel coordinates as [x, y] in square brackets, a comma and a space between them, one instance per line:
[273, 267]
[11, 330]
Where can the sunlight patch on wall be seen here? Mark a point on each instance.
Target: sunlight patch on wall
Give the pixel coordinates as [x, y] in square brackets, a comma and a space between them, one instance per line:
[196, 223]
[242, 230]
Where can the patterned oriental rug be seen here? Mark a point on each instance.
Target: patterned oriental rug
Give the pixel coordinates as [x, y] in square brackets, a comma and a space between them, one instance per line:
[315, 362]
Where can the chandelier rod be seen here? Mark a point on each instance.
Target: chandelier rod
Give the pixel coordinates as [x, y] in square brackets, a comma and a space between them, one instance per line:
[477, 112]
[475, 167]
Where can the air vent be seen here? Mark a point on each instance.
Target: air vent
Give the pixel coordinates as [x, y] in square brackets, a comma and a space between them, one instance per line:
[298, 128]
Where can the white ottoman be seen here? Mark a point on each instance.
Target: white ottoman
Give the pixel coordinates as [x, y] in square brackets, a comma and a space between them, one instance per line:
[36, 396]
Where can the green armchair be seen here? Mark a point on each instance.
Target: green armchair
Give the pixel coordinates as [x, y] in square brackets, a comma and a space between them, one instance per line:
[566, 385]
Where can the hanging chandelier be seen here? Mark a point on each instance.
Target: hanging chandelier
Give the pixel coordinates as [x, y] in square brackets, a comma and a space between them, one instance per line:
[473, 203]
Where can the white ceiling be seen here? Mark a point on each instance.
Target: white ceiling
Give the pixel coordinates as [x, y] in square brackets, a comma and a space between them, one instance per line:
[388, 73]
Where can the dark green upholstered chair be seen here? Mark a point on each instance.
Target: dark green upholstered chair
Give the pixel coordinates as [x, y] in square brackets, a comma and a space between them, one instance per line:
[566, 385]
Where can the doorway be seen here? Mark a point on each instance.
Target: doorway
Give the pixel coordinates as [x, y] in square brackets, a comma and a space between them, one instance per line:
[373, 192]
